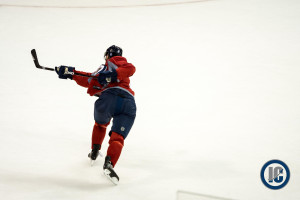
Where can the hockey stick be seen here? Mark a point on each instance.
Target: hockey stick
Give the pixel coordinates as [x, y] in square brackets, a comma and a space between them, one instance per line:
[37, 64]
[36, 61]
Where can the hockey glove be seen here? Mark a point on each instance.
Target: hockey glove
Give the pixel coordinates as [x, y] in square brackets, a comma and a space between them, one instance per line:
[107, 77]
[65, 72]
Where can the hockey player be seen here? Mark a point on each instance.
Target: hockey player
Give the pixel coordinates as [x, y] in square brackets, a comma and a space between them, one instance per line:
[110, 83]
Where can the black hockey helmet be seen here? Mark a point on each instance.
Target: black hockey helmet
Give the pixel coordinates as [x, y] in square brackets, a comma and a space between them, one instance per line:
[113, 51]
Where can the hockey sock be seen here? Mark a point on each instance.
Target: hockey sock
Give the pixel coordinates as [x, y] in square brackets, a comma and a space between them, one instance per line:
[98, 135]
[114, 150]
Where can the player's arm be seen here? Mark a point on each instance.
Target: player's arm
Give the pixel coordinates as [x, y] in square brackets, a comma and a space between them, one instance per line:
[82, 80]
[116, 75]
[66, 72]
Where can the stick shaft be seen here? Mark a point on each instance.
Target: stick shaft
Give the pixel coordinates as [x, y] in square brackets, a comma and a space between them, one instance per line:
[37, 65]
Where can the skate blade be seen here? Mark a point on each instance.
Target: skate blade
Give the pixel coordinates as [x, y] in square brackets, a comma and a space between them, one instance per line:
[92, 162]
[114, 180]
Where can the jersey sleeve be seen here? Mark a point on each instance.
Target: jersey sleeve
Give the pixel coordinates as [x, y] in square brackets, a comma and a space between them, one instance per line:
[82, 80]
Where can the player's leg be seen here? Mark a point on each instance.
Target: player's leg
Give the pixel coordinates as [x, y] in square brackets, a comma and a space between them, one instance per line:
[98, 135]
[116, 143]
[122, 123]
[102, 115]
[123, 119]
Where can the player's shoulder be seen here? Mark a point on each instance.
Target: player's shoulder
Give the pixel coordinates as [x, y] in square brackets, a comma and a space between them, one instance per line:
[119, 61]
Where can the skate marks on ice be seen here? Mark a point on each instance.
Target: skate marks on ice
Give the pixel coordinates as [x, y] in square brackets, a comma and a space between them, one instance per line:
[31, 181]
[185, 195]
[85, 6]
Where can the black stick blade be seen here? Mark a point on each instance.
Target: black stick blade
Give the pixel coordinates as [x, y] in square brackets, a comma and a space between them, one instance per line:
[33, 53]
[36, 61]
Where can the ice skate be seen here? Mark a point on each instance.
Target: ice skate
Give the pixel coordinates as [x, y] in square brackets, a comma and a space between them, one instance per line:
[109, 171]
[94, 153]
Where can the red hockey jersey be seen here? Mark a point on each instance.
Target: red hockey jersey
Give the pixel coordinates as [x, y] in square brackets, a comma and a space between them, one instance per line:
[123, 69]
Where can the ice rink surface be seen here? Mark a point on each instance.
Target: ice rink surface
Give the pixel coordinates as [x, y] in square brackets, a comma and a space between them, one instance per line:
[217, 89]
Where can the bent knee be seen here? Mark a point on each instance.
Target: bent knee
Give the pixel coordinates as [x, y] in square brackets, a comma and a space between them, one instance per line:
[102, 125]
[115, 137]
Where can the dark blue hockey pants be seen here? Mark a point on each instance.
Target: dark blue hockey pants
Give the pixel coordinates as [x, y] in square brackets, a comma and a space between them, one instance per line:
[117, 104]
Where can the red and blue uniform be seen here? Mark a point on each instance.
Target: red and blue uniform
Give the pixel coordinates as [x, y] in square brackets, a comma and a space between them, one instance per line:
[124, 71]
[116, 101]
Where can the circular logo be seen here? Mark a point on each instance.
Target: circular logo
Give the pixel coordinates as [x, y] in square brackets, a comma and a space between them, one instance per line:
[275, 174]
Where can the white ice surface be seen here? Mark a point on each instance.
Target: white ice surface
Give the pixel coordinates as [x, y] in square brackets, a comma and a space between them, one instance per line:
[217, 89]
